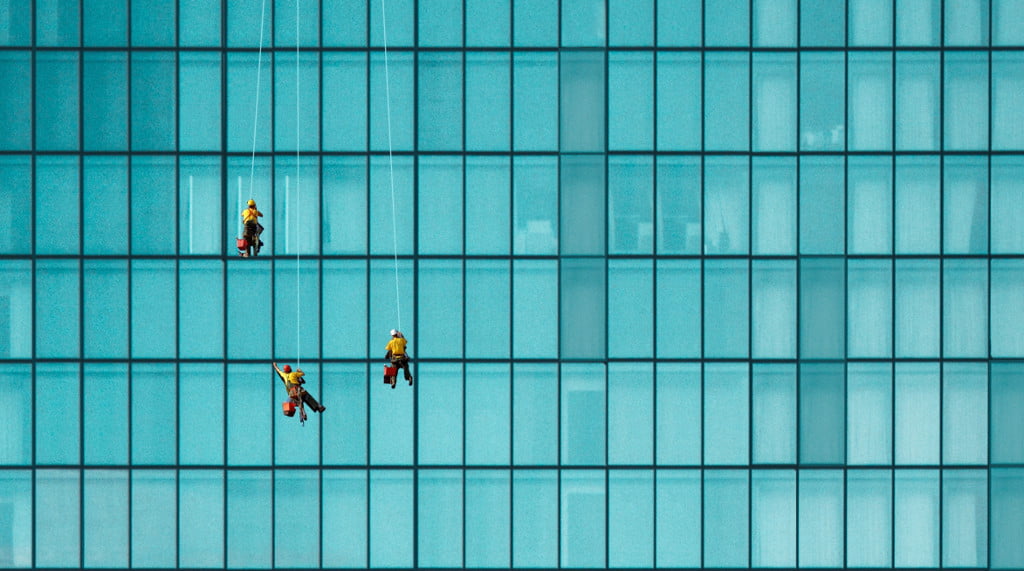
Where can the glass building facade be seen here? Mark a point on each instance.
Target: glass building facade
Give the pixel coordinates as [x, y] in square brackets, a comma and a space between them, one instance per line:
[688, 283]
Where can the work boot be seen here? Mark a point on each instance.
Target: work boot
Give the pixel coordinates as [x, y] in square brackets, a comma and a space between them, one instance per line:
[409, 378]
[322, 408]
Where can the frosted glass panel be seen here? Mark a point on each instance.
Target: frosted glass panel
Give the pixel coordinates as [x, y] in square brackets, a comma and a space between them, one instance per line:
[916, 537]
[677, 497]
[678, 413]
[1007, 309]
[869, 308]
[869, 518]
[965, 292]
[726, 513]
[869, 413]
[964, 413]
[965, 518]
[917, 308]
[1007, 424]
[726, 417]
[917, 413]
[774, 413]
[821, 518]
[773, 518]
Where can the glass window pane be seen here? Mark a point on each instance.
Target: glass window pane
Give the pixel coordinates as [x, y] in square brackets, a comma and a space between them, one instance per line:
[57, 308]
[966, 22]
[631, 518]
[869, 308]
[582, 101]
[439, 107]
[1006, 426]
[917, 308]
[869, 205]
[201, 428]
[726, 517]
[726, 413]
[869, 518]
[15, 180]
[535, 515]
[294, 488]
[726, 205]
[440, 205]
[154, 394]
[534, 100]
[679, 22]
[57, 103]
[822, 23]
[105, 189]
[584, 402]
[440, 23]
[250, 516]
[630, 413]
[201, 530]
[870, 22]
[488, 185]
[250, 280]
[439, 408]
[1007, 308]
[58, 424]
[154, 309]
[918, 203]
[822, 96]
[57, 198]
[534, 414]
[822, 431]
[246, 120]
[775, 22]
[105, 519]
[774, 102]
[822, 332]
[583, 303]
[630, 308]
[345, 218]
[153, 100]
[870, 101]
[583, 518]
[965, 518]
[199, 105]
[1007, 204]
[383, 290]
[869, 403]
[1007, 518]
[965, 205]
[106, 315]
[965, 101]
[488, 415]
[345, 429]
[822, 202]
[726, 308]
[199, 24]
[964, 413]
[382, 230]
[489, 517]
[16, 320]
[773, 309]
[152, 22]
[679, 85]
[677, 532]
[1008, 22]
[917, 101]
[726, 101]
[347, 525]
[534, 301]
[916, 537]
[631, 23]
[105, 425]
[488, 313]
[917, 413]
[917, 22]
[58, 517]
[399, 84]
[18, 449]
[16, 27]
[630, 100]
[487, 22]
[154, 518]
[773, 518]
[344, 89]
[965, 291]
[583, 22]
[678, 198]
[297, 198]
[439, 308]
[678, 301]
[105, 22]
[439, 517]
[773, 205]
[773, 398]
[152, 202]
[201, 308]
[727, 23]
[488, 102]
[249, 420]
[678, 413]
[820, 526]
[536, 22]
[200, 196]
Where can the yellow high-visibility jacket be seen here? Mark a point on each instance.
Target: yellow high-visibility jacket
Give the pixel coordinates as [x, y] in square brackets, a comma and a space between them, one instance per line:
[249, 215]
[291, 379]
[396, 346]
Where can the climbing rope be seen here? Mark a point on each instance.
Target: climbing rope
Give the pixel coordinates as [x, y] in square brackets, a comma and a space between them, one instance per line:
[256, 112]
[298, 295]
[391, 163]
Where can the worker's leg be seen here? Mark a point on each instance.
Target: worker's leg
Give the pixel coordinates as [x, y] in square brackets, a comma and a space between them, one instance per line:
[311, 402]
[405, 367]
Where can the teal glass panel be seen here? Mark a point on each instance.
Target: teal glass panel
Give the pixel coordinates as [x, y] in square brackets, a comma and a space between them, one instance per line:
[392, 177]
[773, 205]
[153, 22]
[965, 292]
[15, 105]
[201, 428]
[678, 303]
[965, 511]
[200, 194]
[383, 277]
[535, 216]
[965, 205]
[631, 23]
[630, 101]
[395, 88]
[296, 102]
[918, 308]
[345, 431]
[296, 206]
[677, 533]
[58, 517]
[679, 23]
[249, 102]
[869, 308]
[869, 101]
[678, 413]
[439, 517]
[154, 302]
[391, 518]
[105, 311]
[345, 286]
[631, 518]
[822, 430]
[105, 190]
[918, 22]
[918, 101]
[727, 23]
[966, 22]
[583, 401]
[965, 413]
[439, 414]
[57, 22]
[535, 414]
[870, 22]
[773, 430]
[292, 488]
[57, 308]
[104, 101]
[822, 309]
[726, 205]
[487, 102]
[439, 105]
[822, 202]
[534, 301]
[201, 308]
[822, 97]
[343, 23]
[488, 23]
[869, 518]
[16, 322]
[105, 22]
[488, 185]
[397, 17]
[249, 416]
[965, 98]
[916, 534]
[439, 308]
[201, 518]
[347, 526]
[678, 199]
[678, 111]
[296, 18]
[773, 102]
[869, 424]
[726, 518]
[535, 23]
[488, 430]
[488, 518]
[57, 205]
[726, 414]
[105, 518]
[773, 518]
[390, 412]
[774, 23]
[630, 308]
[249, 280]
[583, 519]
[344, 216]
[488, 310]
[918, 413]
[869, 208]
[820, 518]
[726, 101]
[918, 204]
[15, 180]
[1006, 424]
[16, 28]
[153, 98]
[17, 450]
[582, 23]
[250, 516]
[199, 103]
[1007, 518]
[439, 205]
[582, 101]
[1007, 22]
[583, 308]
[58, 424]
[57, 103]
[822, 24]
[726, 308]
[199, 24]
[535, 120]
[153, 517]
[631, 409]
[154, 405]
[248, 23]
[773, 309]
[535, 518]
[1007, 308]
[105, 421]
[1007, 204]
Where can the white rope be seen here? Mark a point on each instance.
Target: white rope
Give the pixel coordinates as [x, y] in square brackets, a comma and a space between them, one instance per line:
[298, 297]
[256, 113]
[391, 163]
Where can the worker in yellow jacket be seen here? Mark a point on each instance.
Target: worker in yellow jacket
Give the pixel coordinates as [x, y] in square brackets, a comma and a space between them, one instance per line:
[293, 381]
[253, 229]
[397, 354]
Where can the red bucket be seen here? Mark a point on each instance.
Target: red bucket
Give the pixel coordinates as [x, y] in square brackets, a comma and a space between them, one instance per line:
[288, 408]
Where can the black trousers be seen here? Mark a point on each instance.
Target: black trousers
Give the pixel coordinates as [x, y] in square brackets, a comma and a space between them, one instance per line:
[306, 398]
[402, 363]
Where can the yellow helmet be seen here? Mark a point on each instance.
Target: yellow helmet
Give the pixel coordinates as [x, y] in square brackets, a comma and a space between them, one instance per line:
[252, 202]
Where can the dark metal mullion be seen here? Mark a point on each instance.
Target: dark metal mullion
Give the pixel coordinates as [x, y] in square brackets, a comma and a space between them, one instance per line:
[463, 265]
[750, 286]
[703, 225]
[511, 282]
[846, 276]
[320, 280]
[558, 273]
[415, 272]
[224, 234]
[797, 264]
[605, 118]
[273, 265]
[177, 281]
[892, 341]
[988, 365]
[654, 294]
[367, 172]
[130, 271]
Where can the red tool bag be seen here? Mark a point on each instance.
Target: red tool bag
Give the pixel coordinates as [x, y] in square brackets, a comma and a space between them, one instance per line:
[388, 373]
[288, 408]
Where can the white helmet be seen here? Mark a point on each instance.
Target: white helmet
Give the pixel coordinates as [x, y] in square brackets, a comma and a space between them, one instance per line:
[394, 332]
